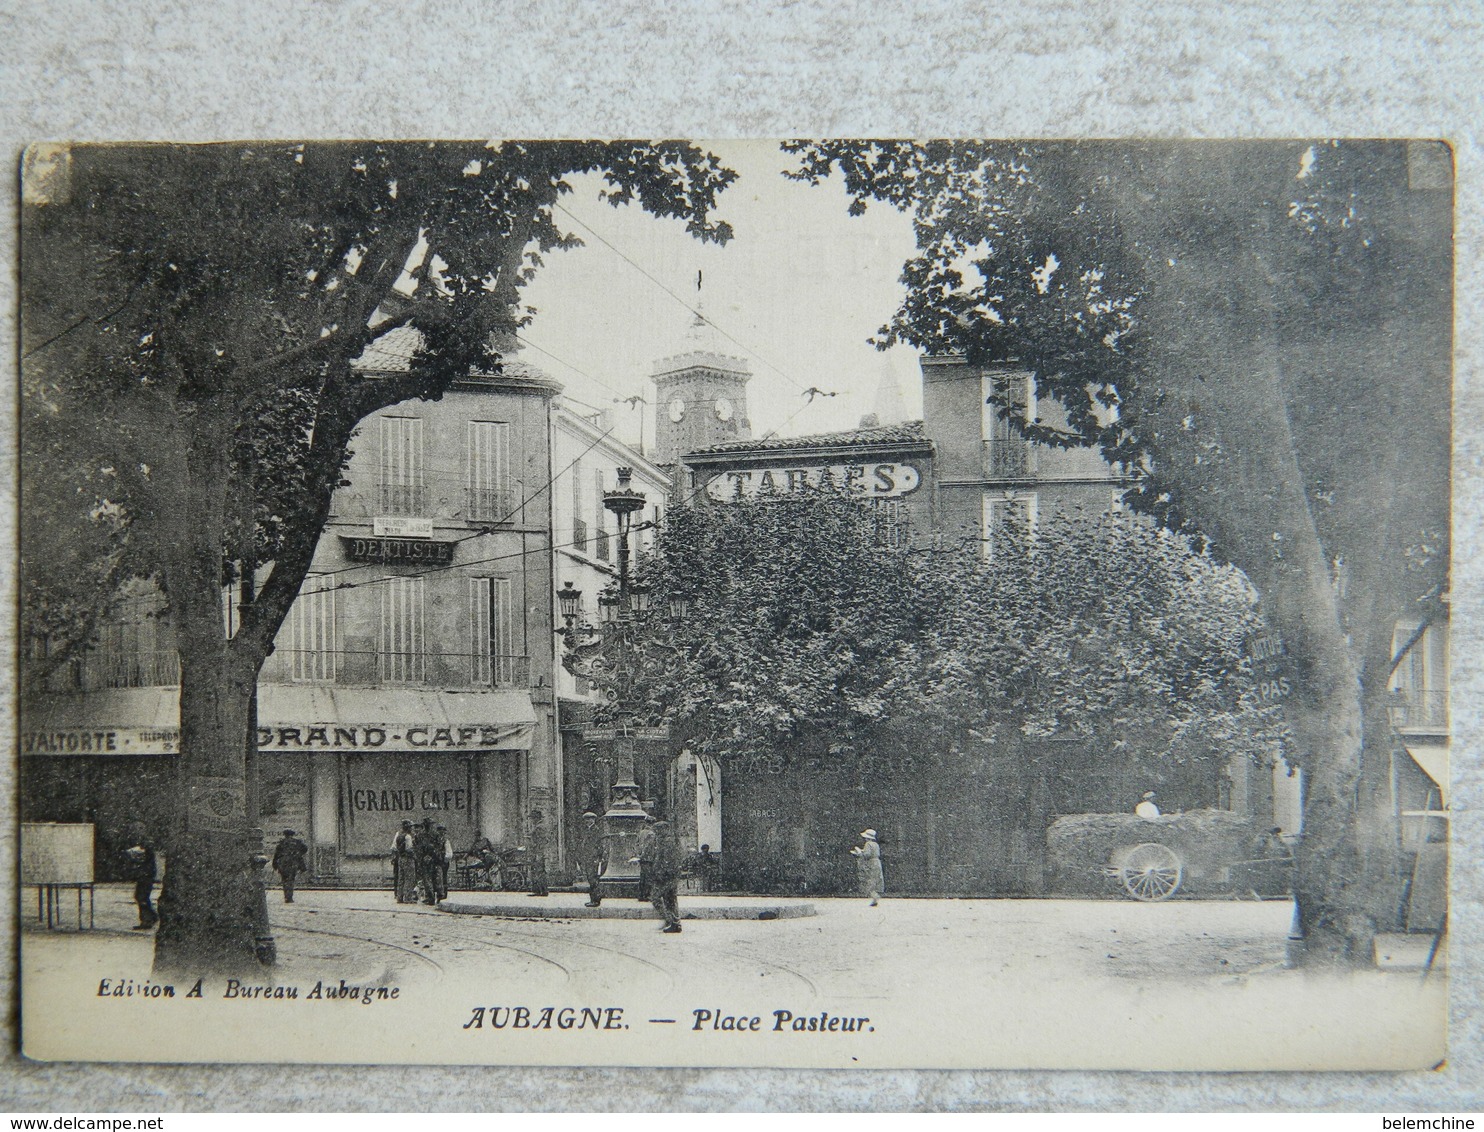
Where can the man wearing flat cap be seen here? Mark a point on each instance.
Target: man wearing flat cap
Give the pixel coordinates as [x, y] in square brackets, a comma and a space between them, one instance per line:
[868, 866]
[591, 852]
[290, 858]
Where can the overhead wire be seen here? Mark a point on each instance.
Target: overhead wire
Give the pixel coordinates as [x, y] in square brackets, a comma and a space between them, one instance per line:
[678, 298]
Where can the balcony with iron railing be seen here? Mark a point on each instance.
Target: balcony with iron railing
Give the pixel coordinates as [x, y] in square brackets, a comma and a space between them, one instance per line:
[103, 669]
[404, 499]
[1009, 459]
[1420, 709]
[489, 504]
[362, 667]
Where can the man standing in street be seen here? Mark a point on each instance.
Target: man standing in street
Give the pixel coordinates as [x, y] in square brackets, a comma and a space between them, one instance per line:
[404, 864]
[664, 875]
[591, 850]
[140, 867]
[645, 856]
[868, 866]
[539, 843]
[427, 846]
[290, 858]
[445, 860]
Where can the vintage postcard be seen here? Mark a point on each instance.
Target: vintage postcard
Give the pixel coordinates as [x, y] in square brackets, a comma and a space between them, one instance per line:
[914, 604]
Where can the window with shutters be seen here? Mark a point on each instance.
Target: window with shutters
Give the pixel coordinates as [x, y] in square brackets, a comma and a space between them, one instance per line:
[402, 491]
[1007, 454]
[312, 645]
[1008, 519]
[136, 649]
[401, 651]
[602, 550]
[493, 647]
[579, 524]
[489, 496]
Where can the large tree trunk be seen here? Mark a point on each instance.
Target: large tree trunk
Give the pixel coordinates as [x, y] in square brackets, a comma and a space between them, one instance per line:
[1230, 453]
[211, 903]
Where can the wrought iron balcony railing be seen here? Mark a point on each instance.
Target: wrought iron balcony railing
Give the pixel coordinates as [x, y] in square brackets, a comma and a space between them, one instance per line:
[488, 504]
[143, 669]
[1009, 459]
[1420, 709]
[372, 666]
[410, 500]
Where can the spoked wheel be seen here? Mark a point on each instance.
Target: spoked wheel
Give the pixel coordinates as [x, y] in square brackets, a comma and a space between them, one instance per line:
[1151, 872]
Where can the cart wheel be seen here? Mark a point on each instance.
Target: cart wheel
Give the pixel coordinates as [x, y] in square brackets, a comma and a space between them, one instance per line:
[1151, 872]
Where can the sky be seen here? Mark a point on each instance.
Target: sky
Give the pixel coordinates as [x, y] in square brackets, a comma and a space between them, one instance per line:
[797, 292]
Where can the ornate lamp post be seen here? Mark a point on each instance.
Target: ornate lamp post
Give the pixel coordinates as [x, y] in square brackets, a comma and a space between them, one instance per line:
[611, 656]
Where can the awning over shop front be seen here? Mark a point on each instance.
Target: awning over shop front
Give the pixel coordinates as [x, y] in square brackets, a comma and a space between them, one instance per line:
[116, 721]
[304, 717]
[291, 717]
[1434, 762]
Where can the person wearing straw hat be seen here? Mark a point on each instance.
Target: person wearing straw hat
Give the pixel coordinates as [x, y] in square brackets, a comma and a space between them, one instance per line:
[868, 865]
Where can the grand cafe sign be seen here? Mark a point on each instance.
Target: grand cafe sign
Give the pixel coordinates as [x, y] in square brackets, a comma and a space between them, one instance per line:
[864, 481]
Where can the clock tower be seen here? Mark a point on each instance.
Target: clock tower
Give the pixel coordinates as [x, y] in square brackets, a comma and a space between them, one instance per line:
[700, 395]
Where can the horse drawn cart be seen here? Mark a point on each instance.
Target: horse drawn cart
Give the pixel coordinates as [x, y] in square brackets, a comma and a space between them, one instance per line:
[1199, 853]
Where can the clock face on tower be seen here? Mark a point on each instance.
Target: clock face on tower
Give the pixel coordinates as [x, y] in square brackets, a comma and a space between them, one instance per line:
[723, 409]
[677, 410]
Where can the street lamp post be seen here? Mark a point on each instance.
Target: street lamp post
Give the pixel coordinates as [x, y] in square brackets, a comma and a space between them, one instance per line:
[610, 656]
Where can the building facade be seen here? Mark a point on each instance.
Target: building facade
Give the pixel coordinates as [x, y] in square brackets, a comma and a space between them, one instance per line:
[413, 677]
[988, 473]
[585, 460]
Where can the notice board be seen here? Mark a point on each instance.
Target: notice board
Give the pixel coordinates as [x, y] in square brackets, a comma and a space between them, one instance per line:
[56, 853]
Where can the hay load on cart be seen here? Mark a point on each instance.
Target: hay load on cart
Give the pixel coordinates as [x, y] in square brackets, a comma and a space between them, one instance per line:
[1196, 853]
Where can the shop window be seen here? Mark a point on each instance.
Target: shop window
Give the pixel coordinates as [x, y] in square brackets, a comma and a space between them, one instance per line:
[496, 661]
[402, 491]
[401, 656]
[489, 496]
[313, 655]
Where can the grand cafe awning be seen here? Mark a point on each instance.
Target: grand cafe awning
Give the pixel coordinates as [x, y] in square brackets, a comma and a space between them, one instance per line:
[292, 718]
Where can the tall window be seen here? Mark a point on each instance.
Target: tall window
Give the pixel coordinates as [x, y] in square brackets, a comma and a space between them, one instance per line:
[313, 654]
[579, 524]
[1004, 514]
[489, 472]
[601, 549]
[891, 520]
[1007, 454]
[496, 660]
[137, 650]
[401, 654]
[1421, 679]
[402, 489]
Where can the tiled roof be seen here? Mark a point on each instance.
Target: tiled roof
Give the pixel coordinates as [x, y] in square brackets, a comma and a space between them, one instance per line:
[911, 432]
[394, 349]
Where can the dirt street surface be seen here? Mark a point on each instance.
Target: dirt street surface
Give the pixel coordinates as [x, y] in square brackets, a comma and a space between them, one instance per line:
[1034, 982]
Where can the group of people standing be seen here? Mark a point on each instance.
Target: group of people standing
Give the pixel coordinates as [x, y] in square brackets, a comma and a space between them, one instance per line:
[421, 858]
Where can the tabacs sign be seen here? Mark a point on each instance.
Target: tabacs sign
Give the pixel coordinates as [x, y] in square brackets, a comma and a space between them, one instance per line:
[864, 481]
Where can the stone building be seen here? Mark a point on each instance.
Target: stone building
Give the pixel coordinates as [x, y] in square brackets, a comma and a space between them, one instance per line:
[413, 677]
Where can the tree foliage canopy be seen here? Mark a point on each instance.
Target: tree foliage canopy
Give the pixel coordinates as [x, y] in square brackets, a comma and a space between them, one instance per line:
[810, 632]
[1262, 332]
[219, 295]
